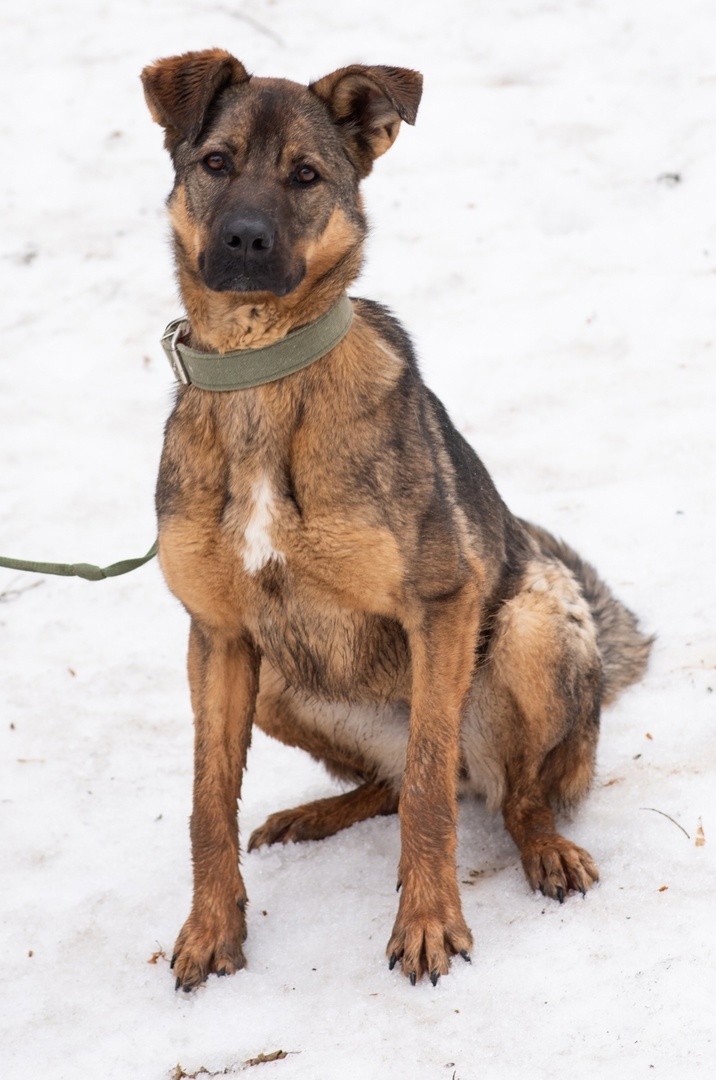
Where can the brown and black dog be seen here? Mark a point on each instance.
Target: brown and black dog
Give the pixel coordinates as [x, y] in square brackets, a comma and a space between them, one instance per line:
[355, 583]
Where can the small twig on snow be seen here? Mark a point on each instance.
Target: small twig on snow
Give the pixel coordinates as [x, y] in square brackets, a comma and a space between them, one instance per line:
[178, 1073]
[11, 593]
[655, 811]
[278, 1055]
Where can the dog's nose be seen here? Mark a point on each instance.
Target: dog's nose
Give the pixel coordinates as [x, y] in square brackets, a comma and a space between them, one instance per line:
[247, 234]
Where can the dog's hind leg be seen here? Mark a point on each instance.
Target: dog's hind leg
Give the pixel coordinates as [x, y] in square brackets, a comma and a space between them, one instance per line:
[552, 864]
[324, 817]
[313, 726]
[545, 678]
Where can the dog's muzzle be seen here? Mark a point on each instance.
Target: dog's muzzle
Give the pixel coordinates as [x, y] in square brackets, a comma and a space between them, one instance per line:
[244, 256]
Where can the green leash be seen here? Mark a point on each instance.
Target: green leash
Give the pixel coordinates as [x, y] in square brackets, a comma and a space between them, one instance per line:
[83, 570]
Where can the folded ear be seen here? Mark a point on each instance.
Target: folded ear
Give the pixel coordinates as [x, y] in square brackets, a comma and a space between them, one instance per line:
[180, 89]
[368, 103]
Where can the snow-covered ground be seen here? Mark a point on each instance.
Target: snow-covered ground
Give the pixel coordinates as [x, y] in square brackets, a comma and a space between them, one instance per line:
[548, 234]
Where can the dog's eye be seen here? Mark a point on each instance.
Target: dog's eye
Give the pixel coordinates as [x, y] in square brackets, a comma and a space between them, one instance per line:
[305, 175]
[215, 163]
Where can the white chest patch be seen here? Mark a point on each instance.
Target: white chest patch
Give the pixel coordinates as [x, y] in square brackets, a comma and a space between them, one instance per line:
[258, 545]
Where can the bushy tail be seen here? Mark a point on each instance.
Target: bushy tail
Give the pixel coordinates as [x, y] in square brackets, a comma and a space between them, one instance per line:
[624, 648]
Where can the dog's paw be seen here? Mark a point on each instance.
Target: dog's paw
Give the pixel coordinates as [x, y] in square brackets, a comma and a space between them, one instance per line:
[207, 946]
[557, 867]
[291, 826]
[424, 945]
[311, 821]
[308, 822]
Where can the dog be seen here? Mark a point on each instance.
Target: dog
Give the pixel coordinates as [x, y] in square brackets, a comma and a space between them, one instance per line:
[355, 583]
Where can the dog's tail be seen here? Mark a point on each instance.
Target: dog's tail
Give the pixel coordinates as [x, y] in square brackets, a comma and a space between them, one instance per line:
[624, 648]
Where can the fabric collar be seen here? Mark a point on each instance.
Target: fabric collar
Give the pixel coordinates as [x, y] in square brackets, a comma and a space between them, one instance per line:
[243, 368]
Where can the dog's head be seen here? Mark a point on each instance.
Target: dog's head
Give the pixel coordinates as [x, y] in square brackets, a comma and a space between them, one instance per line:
[267, 171]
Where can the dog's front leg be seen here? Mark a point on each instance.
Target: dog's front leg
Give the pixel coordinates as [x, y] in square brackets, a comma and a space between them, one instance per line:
[223, 675]
[430, 926]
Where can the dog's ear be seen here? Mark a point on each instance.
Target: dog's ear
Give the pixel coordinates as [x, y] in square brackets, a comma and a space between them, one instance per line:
[368, 104]
[180, 89]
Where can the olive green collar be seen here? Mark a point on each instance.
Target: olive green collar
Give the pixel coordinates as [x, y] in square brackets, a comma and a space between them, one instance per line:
[243, 368]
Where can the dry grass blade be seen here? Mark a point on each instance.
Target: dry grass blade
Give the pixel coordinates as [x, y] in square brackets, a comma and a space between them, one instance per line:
[663, 814]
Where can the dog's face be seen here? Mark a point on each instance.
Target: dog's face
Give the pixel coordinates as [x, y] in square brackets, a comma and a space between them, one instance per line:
[267, 171]
[265, 179]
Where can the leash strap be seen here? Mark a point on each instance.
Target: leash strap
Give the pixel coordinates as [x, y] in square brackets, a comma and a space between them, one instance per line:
[82, 570]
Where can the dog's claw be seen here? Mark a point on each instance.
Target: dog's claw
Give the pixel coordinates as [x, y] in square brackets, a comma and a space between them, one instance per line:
[177, 984]
[413, 978]
[434, 976]
[465, 955]
[560, 894]
[392, 961]
[173, 962]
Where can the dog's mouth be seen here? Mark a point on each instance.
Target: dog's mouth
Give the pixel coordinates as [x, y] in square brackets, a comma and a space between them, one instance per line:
[220, 275]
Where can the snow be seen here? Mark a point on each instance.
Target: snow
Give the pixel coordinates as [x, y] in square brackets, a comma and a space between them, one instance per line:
[547, 233]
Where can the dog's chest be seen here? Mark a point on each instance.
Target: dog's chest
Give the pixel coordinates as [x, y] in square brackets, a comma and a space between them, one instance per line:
[259, 521]
[310, 589]
[314, 580]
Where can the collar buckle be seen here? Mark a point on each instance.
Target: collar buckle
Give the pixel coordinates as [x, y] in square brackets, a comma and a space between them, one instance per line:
[176, 330]
[245, 368]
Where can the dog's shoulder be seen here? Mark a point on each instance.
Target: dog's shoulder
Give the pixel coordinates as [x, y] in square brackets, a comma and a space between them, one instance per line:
[442, 451]
[474, 486]
[384, 324]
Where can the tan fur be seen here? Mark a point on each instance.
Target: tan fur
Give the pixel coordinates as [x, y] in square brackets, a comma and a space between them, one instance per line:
[355, 583]
[219, 323]
[325, 817]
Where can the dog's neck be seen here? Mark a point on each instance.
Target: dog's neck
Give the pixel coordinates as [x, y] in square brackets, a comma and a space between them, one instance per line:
[221, 322]
[241, 369]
